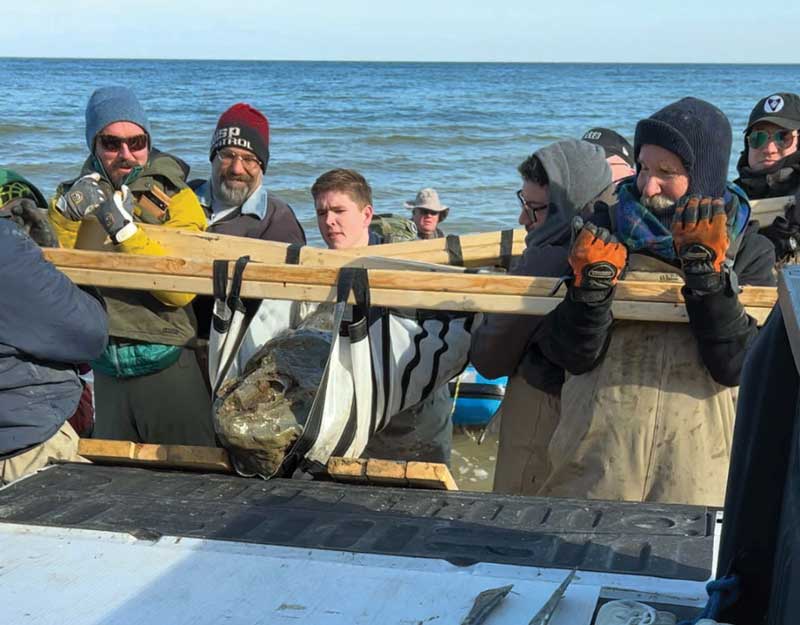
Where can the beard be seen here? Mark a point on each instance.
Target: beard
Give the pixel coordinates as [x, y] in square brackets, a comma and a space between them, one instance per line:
[659, 204]
[115, 174]
[234, 190]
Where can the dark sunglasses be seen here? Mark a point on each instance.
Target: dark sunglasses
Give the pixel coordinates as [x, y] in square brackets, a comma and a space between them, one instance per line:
[759, 138]
[425, 212]
[112, 143]
[530, 208]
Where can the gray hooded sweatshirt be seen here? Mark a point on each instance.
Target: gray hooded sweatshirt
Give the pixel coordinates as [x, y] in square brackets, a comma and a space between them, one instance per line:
[578, 177]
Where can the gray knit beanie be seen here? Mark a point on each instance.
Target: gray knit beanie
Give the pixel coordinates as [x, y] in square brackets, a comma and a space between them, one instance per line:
[113, 104]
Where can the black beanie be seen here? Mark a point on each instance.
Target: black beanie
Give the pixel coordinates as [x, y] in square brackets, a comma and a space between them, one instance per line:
[698, 133]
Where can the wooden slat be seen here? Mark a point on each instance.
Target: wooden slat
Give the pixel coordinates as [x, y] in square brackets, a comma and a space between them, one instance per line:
[167, 456]
[658, 301]
[429, 475]
[478, 249]
[766, 210]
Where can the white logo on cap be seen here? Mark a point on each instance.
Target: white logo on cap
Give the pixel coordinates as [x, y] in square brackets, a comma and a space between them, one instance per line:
[593, 135]
[773, 104]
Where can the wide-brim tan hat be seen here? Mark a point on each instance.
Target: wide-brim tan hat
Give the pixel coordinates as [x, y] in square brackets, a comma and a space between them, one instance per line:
[429, 200]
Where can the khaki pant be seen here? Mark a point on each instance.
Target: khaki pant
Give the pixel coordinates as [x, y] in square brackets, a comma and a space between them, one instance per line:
[528, 418]
[63, 445]
[648, 424]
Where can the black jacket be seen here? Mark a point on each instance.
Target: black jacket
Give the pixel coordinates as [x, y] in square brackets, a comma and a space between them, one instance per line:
[575, 335]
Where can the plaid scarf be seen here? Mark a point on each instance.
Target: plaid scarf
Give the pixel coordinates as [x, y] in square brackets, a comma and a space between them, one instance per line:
[640, 230]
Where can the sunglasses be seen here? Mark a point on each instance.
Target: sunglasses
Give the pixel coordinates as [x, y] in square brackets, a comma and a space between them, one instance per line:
[113, 143]
[424, 212]
[530, 208]
[759, 138]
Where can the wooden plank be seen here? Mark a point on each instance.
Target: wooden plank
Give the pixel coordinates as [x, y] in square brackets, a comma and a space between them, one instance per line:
[766, 210]
[477, 249]
[481, 249]
[430, 475]
[347, 469]
[386, 472]
[167, 456]
[659, 301]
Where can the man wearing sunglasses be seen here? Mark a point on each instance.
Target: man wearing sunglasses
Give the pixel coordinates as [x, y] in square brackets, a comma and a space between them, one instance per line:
[559, 181]
[428, 212]
[647, 408]
[769, 165]
[148, 385]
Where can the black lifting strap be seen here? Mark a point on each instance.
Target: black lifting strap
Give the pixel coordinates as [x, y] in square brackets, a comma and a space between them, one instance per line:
[506, 248]
[293, 254]
[454, 254]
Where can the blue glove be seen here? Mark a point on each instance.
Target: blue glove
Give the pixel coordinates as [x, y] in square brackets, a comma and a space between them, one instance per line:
[83, 197]
[116, 215]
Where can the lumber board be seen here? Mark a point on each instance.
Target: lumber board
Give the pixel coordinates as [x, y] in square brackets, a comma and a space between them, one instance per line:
[430, 475]
[166, 456]
[766, 210]
[634, 300]
[478, 249]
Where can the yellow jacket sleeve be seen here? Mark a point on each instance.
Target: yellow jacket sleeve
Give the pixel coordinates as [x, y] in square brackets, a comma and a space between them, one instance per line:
[185, 213]
[66, 230]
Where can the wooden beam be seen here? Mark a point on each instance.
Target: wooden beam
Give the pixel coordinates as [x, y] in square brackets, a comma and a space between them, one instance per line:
[167, 456]
[766, 210]
[429, 475]
[662, 301]
[478, 249]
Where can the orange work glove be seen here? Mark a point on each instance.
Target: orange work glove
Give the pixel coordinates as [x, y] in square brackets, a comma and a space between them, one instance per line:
[597, 260]
[700, 236]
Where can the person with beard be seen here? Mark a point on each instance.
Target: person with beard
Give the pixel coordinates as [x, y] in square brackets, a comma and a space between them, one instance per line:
[647, 408]
[769, 166]
[237, 202]
[235, 199]
[148, 385]
[560, 181]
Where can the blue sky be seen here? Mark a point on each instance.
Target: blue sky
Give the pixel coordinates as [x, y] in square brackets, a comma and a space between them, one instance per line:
[414, 30]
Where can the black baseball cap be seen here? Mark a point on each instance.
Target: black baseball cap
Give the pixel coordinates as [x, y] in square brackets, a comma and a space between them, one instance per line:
[612, 142]
[782, 109]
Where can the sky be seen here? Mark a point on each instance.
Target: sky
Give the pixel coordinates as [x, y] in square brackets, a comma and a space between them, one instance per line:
[710, 31]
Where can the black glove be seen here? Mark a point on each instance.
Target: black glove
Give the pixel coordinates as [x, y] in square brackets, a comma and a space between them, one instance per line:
[32, 219]
[83, 197]
[785, 236]
[115, 215]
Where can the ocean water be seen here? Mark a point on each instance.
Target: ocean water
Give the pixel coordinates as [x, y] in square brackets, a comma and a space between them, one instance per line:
[461, 128]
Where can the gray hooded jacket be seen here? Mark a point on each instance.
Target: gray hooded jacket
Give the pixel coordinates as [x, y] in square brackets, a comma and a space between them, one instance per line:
[578, 177]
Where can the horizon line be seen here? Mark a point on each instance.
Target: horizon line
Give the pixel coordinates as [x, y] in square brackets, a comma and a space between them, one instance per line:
[397, 61]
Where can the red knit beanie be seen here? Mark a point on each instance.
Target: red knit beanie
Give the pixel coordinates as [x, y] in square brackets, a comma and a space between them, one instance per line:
[242, 126]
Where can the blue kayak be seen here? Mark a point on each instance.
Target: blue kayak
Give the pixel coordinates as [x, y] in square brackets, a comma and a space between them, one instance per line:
[476, 398]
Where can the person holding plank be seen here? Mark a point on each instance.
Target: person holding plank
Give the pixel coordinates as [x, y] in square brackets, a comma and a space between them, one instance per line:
[769, 166]
[148, 385]
[343, 203]
[48, 326]
[647, 408]
[559, 181]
